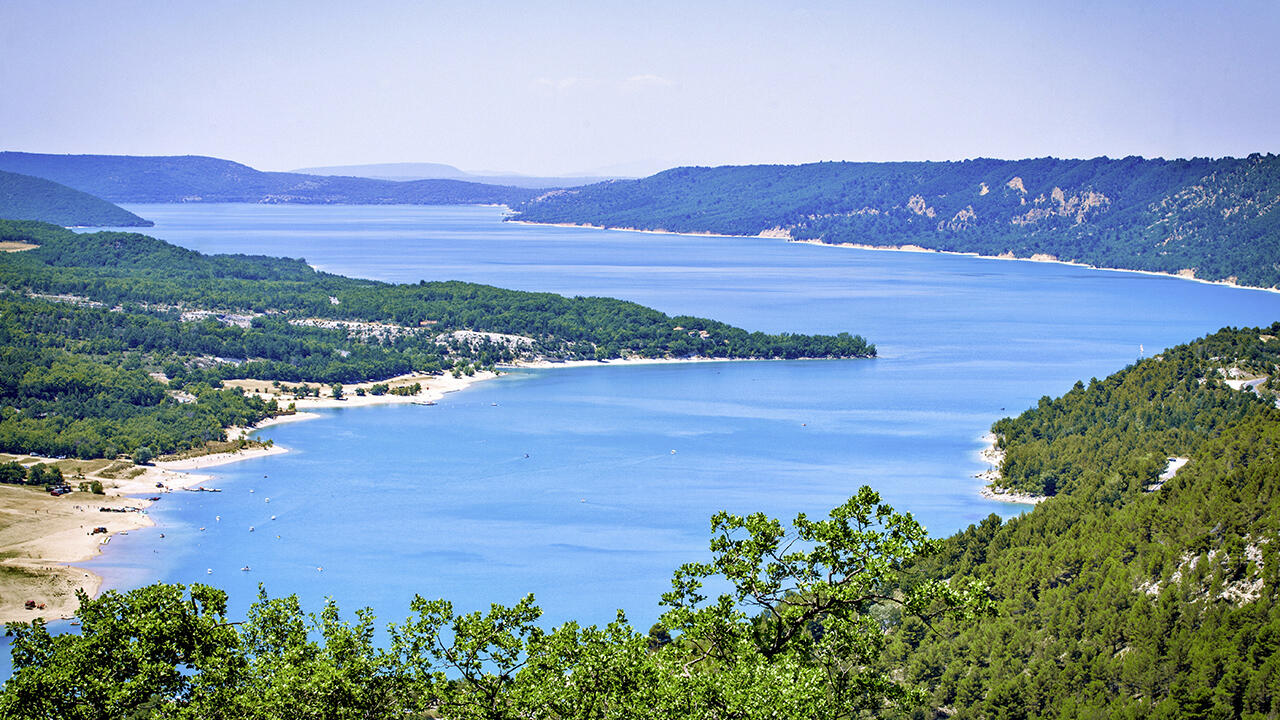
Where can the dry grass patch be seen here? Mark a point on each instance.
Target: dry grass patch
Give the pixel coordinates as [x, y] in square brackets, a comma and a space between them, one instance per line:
[71, 468]
[119, 468]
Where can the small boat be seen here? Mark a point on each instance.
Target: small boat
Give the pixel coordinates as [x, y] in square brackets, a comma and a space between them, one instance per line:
[250, 528]
[244, 569]
[273, 517]
[209, 571]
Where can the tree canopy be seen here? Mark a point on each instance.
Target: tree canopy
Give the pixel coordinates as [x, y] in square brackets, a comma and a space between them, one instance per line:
[1126, 594]
[798, 632]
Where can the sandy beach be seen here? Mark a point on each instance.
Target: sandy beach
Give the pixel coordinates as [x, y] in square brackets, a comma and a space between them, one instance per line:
[433, 387]
[41, 534]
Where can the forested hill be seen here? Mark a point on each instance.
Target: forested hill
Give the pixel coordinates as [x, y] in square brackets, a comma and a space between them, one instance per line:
[1217, 218]
[87, 321]
[1167, 405]
[23, 197]
[1127, 595]
[191, 178]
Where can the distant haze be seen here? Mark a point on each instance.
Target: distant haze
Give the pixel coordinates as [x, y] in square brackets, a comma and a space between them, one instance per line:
[437, 171]
[626, 89]
[390, 171]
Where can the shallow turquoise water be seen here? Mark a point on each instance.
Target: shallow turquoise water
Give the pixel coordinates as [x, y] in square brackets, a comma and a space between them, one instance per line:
[442, 501]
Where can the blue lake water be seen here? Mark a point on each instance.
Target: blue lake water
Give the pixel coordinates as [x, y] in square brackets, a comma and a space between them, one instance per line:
[441, 501]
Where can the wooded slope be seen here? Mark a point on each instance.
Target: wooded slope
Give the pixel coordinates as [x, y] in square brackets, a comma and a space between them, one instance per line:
[192, 178]
[23, 197]
[1218, 218]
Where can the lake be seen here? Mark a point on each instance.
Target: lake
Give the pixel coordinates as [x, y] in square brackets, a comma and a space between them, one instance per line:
[625, 464]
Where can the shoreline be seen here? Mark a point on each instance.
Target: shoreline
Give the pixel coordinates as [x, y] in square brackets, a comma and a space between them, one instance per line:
[48, 556]
[434, 387]
[45, 547]
[616, 362]
[779, 234]
[636, 230]
[993, 456]
[45, 557]
[1187, 274]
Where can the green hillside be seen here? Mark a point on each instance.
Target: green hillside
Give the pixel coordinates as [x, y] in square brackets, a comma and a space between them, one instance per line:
[191, 178]
[1127, 595]
[1218, 218]
[1170, 405]
[23, 197]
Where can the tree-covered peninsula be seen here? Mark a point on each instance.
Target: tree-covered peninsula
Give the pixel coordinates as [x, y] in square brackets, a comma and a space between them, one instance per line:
[114, 341]
[23, 197]
[1216, 219]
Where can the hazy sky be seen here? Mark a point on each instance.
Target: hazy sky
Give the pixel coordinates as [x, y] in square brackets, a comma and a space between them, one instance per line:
[632, 87]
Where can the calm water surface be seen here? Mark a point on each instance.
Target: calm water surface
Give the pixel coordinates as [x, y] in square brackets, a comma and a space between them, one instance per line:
[626, 464]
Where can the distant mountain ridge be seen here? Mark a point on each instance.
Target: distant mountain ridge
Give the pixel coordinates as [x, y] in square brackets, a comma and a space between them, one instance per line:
[24, 197]
[1213, 219]
[401, 172]
[390, 171]
[194, 178]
